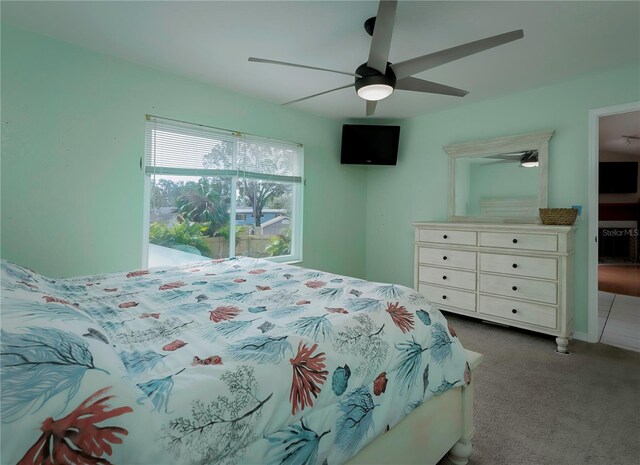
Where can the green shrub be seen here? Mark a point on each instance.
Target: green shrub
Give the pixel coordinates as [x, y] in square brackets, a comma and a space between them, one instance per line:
[280, 244]
[225, 231]
[187, 233]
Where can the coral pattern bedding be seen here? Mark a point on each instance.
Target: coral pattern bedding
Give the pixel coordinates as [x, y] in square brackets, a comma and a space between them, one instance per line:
[220, 362]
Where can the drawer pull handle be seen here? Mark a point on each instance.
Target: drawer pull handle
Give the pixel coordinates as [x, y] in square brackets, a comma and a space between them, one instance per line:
[514, 311]
[515, 241]
[515, 265]
[444, 237]
[444, 277]
[444, 258]
[444, 297]
[515, 288]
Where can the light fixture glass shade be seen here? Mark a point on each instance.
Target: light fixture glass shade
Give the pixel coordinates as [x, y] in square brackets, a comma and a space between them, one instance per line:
[530, 159]
[375, 92]
[530, 164]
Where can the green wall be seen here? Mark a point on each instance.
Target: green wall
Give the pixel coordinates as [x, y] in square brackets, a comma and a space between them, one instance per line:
[72, 136]
[416, 190]
[73, 133]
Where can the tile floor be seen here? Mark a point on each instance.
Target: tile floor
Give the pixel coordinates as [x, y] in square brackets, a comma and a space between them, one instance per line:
[619, 320]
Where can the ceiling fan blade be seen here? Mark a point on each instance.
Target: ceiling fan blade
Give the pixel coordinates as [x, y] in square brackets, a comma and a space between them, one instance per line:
[425, 62]
[319, 93]
[500, 162]
[420, 85]
[382, 31]
[508, 157]
[514, 155]
[371, 107]
[294, 65]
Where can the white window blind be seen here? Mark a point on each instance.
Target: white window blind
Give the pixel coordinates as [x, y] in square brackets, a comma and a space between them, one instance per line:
[178, 148]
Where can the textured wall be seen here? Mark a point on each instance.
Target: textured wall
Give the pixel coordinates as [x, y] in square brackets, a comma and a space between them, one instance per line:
[72, 136]
[73, 132]
[416, 190]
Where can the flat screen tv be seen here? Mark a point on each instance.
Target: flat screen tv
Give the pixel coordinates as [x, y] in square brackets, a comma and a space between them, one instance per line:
[369, 144]
[618, 177]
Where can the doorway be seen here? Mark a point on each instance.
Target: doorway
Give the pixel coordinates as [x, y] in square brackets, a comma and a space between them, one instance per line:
[614, 222]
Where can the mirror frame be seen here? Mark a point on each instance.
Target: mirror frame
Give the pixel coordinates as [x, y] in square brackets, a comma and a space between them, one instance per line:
[535, 141]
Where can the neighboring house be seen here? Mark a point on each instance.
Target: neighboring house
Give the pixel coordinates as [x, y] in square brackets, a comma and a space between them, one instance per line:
[244, 215]
[275, 225]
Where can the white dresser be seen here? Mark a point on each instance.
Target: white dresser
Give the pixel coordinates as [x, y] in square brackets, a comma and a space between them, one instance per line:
[514, 274]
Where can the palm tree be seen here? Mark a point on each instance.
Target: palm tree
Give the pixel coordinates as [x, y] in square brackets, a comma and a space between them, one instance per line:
[205, 201]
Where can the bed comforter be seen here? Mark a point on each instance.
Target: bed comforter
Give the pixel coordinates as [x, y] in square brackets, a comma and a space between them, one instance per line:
[221, 362]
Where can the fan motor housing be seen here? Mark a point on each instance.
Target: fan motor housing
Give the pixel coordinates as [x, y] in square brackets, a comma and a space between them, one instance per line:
[369, 25]
[372, 76]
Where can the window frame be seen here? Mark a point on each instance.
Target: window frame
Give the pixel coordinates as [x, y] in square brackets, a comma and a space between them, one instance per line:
[297, 187]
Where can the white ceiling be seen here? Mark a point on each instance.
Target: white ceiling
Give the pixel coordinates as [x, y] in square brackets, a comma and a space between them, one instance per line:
[211, 41]
[613, 128]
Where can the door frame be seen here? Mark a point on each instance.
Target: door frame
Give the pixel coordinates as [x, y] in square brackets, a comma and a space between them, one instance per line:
[594, 124]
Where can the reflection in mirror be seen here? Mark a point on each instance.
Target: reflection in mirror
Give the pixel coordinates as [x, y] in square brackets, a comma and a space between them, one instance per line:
[478, 193]
[499, 180]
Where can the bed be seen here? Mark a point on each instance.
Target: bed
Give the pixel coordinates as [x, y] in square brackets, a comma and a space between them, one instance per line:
[228, 361]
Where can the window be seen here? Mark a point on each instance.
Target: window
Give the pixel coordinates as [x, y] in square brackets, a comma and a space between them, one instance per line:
[215, 193]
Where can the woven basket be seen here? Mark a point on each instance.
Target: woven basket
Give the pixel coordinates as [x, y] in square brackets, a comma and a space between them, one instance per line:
[565, 216]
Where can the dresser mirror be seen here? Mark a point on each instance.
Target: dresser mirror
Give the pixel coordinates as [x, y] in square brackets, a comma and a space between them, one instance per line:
[501, 180]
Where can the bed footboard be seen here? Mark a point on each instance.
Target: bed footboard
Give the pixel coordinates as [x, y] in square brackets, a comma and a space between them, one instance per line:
[444, 423]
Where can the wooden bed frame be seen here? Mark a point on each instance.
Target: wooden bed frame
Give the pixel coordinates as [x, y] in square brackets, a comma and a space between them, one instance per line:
[444, 423]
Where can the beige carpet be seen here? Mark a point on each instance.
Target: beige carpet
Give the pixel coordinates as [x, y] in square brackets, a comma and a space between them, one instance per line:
[536, 407]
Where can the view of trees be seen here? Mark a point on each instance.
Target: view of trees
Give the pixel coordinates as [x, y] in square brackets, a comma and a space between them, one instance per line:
[200, 173]
[255, 193]
[207, 202]
[203, 207]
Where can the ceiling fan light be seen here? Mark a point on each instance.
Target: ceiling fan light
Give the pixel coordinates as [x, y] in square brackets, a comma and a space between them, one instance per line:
[530, 159]
[530, 164]
[375, 92]
[373, 85]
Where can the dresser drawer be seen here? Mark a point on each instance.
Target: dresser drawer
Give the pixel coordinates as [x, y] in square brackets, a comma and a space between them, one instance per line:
[442, 236]
[448, 277]
[516, 240]
[524, 312]
[448, 258]
[519, 288]
[546, 268]
[449, 297]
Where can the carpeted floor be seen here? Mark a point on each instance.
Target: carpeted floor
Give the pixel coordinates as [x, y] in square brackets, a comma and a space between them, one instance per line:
[536, 407]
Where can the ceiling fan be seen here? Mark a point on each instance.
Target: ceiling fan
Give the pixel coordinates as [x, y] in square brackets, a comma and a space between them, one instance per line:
[377, 78]
[526, 159]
